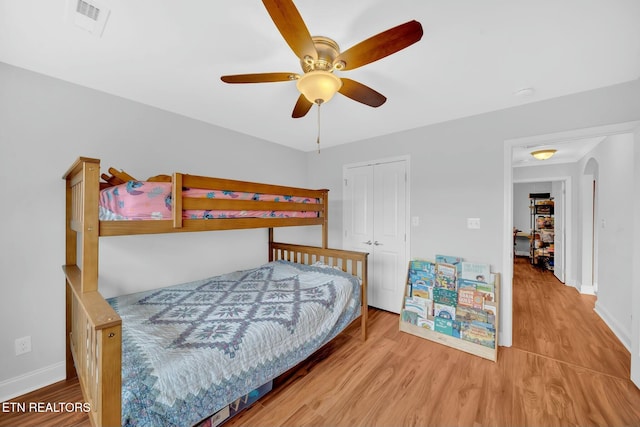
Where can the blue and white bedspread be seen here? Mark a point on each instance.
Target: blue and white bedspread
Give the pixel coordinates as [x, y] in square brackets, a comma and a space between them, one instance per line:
[190, 349]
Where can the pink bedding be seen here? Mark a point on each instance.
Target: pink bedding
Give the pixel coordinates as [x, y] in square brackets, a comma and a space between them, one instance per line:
[141, 200]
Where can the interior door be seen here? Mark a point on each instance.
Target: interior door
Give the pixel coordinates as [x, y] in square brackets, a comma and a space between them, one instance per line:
[558, 194]
[358, 209]
[375, 222]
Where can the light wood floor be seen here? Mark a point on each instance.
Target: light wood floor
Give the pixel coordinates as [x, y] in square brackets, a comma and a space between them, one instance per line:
[565, 368]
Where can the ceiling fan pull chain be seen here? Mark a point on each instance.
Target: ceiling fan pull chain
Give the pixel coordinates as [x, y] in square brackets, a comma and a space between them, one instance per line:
[318, 140]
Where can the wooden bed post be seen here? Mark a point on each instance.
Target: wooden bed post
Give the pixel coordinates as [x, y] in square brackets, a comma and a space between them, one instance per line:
[176, 200]
[93, 329]
[71, 250]
[270, 244]
[325, 222]
[90, 222]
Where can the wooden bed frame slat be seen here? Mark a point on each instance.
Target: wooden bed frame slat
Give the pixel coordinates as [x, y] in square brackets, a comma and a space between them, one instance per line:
[239, 205]
[208, 183]
[94, 329]
[127, 228]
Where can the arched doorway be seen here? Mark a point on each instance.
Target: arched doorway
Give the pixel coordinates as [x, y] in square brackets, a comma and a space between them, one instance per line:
[589, 211]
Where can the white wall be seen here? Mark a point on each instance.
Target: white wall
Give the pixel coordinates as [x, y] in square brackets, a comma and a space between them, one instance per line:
[45, 124]
[614, 223]
[457, 171]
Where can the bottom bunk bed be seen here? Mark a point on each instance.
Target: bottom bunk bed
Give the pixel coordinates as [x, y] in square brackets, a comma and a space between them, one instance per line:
[190, 350]
[179, 355]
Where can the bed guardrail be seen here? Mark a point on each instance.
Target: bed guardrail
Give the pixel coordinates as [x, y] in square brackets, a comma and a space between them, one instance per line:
[352, 262]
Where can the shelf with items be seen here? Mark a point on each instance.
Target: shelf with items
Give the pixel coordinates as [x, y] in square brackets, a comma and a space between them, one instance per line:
[541, 251]
[454, 303]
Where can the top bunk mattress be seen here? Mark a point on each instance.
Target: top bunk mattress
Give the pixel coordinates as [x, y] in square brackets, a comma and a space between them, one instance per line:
[144, 200]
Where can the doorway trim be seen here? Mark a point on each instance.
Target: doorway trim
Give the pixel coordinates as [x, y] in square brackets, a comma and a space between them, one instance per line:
[506, 332]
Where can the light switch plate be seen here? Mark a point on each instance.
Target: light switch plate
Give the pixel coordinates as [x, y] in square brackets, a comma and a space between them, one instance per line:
[473, 222]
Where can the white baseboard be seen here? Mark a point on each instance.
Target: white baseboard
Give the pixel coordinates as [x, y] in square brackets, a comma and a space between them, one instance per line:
[26, 383]
[587, 290]
[620, 332]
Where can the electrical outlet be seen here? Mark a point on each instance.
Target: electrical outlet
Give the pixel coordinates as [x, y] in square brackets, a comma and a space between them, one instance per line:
[23, 345]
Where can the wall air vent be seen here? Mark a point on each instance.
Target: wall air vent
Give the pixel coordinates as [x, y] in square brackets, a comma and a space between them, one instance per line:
[89, 15]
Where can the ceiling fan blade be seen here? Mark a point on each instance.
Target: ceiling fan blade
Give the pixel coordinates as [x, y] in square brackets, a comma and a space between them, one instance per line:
[361, 93]
[303, 105]
[259, 78]
[381, 45]
[292, 27]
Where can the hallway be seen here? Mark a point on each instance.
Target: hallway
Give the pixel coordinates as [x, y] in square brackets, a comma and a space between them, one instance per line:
[554, 320]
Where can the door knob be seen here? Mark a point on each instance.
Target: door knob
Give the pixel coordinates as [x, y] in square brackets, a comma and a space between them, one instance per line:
[377, 243]
[368, 242]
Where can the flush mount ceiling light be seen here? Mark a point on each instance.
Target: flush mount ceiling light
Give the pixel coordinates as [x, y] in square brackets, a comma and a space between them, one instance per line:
[543, 154]
[318, 86]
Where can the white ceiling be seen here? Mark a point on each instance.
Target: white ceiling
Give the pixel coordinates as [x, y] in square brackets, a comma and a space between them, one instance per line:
[473, 57]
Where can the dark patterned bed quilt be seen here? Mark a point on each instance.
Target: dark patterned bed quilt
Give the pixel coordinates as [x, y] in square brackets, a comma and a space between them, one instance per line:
[188, 350]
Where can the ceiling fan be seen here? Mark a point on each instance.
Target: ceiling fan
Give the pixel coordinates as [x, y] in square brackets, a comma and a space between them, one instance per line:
[321, 56]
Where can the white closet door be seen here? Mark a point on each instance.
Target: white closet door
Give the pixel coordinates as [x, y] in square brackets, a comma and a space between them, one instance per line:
[358, 209]
[389, 234]
[375, 222]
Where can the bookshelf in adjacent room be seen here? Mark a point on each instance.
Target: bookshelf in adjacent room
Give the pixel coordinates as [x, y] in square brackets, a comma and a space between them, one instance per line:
[542, 247]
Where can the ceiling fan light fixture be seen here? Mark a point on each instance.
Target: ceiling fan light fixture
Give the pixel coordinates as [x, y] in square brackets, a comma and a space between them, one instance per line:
[543, 154]
[319, 86]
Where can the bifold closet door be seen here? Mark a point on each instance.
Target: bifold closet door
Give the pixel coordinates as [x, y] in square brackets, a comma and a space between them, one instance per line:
[375, 222]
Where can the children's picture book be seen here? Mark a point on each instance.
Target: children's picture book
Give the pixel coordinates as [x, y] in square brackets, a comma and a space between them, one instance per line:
[422, 271]
[426, 323]
[465, 296]
[467, 283]
[485, 287]
[443, 310]
[455, 330]
[490, 308]
[468, 314]
[422, 290]
[442, 325]
[478, 333]
[475, 271]
[446, 275]
[487, 296]
[426, 266]
[445, 296]
[421, 306]
[447, 259]
[409, 316]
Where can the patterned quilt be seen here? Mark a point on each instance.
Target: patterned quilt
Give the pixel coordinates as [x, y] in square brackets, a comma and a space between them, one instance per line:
[190, 349]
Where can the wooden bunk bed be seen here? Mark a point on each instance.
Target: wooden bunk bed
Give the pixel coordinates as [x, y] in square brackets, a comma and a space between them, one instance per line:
[94, 328]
